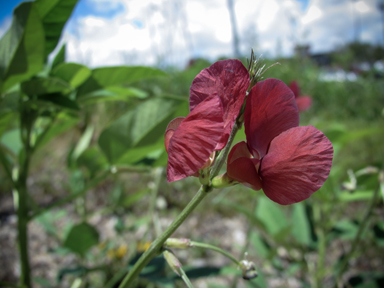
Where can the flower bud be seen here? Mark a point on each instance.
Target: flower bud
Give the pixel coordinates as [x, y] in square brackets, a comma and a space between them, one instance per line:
[172, 261]
[179, 243]
[223, 181]
[248, 269]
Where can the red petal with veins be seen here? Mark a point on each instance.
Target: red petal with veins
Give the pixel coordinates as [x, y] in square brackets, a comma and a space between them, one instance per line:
[294, 86]
[303, 102]
[171, 129]
[297, 164]
[270, 110]
[195, 139]
[242, 167]
[229, 80]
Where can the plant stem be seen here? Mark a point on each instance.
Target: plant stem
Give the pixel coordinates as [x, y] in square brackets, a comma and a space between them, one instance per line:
[22, 212]
[215, 248]
[224, 153]
[157, 245]
[185, 278]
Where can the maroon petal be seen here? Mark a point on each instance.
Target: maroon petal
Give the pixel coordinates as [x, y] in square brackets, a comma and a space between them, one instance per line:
[294, 86]
[297, 164]
[229, 80]
[171, 129]
[195, 139]
[242, 167]
[303, 102]
[270, 110]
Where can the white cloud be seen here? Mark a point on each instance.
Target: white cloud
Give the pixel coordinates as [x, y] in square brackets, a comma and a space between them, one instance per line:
[172, 32]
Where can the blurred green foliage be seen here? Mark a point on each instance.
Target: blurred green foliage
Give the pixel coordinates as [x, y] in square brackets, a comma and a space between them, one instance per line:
[109, 124]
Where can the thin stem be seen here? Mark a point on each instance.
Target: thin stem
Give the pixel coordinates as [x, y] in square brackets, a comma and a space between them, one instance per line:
[185, 278]
[22, 210]
[224, 153]
[215, 248]
[157, 245]
[359, 233]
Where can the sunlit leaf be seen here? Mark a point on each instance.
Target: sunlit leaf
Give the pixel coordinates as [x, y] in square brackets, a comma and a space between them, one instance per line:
[81, 237]
[41, 86]
[112, 76]
[271, 215]
[139, 128]
[54, 14]
[113, 93]
[60, 57]
[22, 47]
[301, 229]
[72, 73]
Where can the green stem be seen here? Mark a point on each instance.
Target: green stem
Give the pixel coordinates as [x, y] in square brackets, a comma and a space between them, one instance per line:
[157, 245]
[185, 278]
[215, 248]
[359, 233]
[224, 153]
[22, 212]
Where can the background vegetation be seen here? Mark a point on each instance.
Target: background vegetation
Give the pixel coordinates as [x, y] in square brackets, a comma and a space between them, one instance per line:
[83, 180]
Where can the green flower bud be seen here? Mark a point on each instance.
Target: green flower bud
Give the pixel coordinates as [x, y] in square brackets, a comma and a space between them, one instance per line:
[179, 243]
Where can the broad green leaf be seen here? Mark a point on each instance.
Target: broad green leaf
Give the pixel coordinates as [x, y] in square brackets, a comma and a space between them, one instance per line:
[81, 237]
[54, 14]
[63, 123]
[59, 58]
[22, 47]
[259, 245]
[12, 141]
[84, 142]
[113, 93]
[113, 76]
[300, 224]
[347, 228]
[93, 159]
[60, 101]
[141, 127]
[42, 86]
[271, 215]
[72, 73]
[5, 119]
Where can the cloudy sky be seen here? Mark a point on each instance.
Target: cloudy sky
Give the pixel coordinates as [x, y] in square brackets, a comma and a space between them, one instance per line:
[170, 32]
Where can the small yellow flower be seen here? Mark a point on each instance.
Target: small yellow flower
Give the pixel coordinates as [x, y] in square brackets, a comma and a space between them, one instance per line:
[143, 246]
[121, 251]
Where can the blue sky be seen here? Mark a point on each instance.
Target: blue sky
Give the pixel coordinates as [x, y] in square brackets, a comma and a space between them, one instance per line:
[146, 32]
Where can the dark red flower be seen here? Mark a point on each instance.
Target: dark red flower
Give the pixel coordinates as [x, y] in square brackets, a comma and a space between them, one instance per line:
[303, 102]
[216, 96]
[288, 162]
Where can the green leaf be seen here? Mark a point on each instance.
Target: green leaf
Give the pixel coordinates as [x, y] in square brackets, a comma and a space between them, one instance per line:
[141, 129]
[84, 142]
[54, 15]
[301, 229]
[348, 229]
[81, 237]
[357, 195]
[271, 215]
[5, 119]
[63, 123]
[45, 85]
[93, 159]
[137, 196]
[59, 58]
[113, 93]
[22, 47]
[72, 73]
[113, 76]
[11, 140]
[59, 100]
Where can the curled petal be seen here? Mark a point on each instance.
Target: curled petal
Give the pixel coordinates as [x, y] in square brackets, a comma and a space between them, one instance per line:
[195, 139]
[294, 86]
[297, 164]
[171, 129]
[270, 110]
[229, 80]
[242, 167]
[303, 102]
